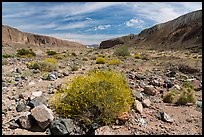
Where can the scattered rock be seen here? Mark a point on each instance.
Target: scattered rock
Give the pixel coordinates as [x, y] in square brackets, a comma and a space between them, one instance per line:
[146, 103]
[64, 127]
[124, 116]
[37, 101]
[164, 117]
[142, 122]
[140, 77]
[25, 120]
[18, 70]
[137, 95]
[31, 83]
[37, 93]
[21, 106]
[171, 74]
[197, 85]
[13, 125]
[23, 96]
[199, 104]
[42, 115]
[142, 84]
[138, 106]
[150, 90]
[52, 76]
[105, 130]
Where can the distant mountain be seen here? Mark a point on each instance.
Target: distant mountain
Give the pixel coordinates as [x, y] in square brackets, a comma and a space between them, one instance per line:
[181, 33]
[13, 37]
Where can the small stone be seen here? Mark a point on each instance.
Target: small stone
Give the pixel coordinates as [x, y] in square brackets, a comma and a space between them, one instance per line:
[199, 104]
[37, 94]
[42, 115]
[23, 96]
[13, 125]
[137, 95]
[25, 120]
[105, 130]
[142, 84]
[164, 117]
[146, 103]
[150, 90]
[64, 127]
[138, 106]
[18, 70]
[65, 74]
[142, 122]
[21, 106]
[124, 116]
[31, 83]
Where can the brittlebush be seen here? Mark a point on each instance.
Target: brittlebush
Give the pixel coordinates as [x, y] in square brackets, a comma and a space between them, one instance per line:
[94, 98]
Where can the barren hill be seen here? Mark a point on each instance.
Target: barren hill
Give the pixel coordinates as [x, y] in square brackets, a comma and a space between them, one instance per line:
[181, 33]
[14, 37]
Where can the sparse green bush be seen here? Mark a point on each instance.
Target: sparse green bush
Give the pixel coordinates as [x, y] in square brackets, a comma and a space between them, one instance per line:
[171, 96]
[114, 62]
[122, 51]
[100, 60]
[7, 56]
[33, 65]
[187, 96]
[95, 98]
[50, 52]
[138, 56]
[5, 62]
[25, 53]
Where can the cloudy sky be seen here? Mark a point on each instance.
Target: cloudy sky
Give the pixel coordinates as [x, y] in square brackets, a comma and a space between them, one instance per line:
[91, 22]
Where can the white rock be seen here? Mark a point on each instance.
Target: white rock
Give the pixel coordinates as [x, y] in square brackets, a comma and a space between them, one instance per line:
[37, 94]
[138, 106]
[31, 83]
[146, 102]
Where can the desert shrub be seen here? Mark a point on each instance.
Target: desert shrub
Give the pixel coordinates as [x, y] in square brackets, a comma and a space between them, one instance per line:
[51, 60]
[94, 98]
[74, 68]
[48, 65]
[100, 60]
[33, 65]
[50, 52]
[5, 62]
[7, 56]
[25, 53]
[138, 56]
[187, 96]
[114, 62]
[171, 96]
[122, 51]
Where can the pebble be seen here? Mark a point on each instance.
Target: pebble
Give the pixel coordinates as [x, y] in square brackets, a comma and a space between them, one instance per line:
[138, 106]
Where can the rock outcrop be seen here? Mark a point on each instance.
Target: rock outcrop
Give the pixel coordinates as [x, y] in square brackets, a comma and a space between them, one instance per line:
[12, 37]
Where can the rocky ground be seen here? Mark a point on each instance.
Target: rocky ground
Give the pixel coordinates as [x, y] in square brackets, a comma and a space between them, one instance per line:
[25, 94]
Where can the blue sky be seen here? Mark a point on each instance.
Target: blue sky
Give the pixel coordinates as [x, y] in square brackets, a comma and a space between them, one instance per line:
[91, 22]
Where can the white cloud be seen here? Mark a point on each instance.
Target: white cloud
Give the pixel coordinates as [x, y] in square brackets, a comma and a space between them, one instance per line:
[135, 23]
[102, 27]
[33, 27]
[74, 25]
[163, 11]
[85, 38]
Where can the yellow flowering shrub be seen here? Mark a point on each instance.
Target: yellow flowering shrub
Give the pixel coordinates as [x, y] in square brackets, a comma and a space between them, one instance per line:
[96, 97]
